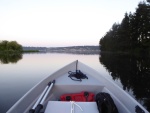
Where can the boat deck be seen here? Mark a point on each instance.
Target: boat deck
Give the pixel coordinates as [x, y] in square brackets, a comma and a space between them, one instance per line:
[65, 85]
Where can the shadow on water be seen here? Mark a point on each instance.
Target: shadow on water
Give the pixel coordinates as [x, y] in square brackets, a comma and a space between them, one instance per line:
[10, 58]
[133, 72]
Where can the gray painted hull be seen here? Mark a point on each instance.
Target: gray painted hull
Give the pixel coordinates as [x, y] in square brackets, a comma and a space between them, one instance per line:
[95, 83]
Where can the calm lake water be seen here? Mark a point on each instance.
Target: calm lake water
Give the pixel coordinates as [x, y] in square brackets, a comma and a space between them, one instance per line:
[19, 73]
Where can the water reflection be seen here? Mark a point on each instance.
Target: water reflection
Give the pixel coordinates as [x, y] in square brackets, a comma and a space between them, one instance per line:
[10, 58]
[133, 72]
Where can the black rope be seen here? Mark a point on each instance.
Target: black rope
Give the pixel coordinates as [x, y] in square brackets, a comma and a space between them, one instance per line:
[77, 76]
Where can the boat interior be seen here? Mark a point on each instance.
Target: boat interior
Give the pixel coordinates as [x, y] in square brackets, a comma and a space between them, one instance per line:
[65, 85]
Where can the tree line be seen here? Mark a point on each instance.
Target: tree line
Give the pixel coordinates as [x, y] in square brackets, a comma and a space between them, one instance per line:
[10, 46]
[132, 34]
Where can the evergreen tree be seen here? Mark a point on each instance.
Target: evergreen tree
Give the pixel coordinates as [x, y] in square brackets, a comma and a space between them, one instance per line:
[124, 34]
[132, 34]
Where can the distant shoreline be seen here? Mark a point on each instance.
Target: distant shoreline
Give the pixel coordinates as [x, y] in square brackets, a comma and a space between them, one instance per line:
[70, 49]
[30, 51]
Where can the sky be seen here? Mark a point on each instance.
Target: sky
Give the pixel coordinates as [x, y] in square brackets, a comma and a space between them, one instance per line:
[52, 23]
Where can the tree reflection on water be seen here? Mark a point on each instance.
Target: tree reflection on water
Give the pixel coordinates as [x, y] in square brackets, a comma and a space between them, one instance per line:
[133, 72]
[10, 58]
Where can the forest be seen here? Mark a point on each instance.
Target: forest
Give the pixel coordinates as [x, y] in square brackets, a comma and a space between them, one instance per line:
[10, 46]
[132, 35]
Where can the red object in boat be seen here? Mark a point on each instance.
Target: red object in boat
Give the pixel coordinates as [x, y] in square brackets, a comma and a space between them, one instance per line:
[79, 97]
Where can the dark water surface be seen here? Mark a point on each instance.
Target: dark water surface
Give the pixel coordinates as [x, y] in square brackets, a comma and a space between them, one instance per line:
[19, 73]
